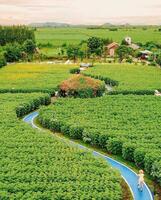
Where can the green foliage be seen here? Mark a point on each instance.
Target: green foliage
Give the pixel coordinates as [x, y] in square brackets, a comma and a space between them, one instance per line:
[95, 45]
[158, 60]
[134, 79]
[75, 70]
[29, 47]
[32, 105]
[13, 52]
[128, 151]
[123, 52]
[33, 77]
[37, 165]
[124, 125]
[72, 52]
[2, 61]
[82, 87]
[18, 34]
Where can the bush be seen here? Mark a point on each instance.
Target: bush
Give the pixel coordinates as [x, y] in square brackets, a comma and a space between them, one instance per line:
[156, 171]
[25, 108]
[114, 145]
[82, 87]
[13, 52]
[105, 79]
[149, 159]
[2, 61]
[29, 47]
[76, 132]
[139, 155]
[75, 71]
[128, 151]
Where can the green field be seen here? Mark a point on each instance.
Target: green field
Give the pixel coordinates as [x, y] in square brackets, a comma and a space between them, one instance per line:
[38, 166]
[130, 76]
[58, 36]
[33, 76]
[124, 125]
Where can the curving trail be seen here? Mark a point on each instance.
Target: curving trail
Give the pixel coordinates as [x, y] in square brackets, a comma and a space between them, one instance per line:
[129, 175]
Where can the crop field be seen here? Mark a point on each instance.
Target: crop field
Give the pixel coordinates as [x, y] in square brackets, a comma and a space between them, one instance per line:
[37, 166]
[33, 76]
[58, 36]
[130, 76]
[124, 125]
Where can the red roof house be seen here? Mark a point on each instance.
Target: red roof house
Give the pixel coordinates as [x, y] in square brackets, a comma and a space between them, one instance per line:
[111, 48]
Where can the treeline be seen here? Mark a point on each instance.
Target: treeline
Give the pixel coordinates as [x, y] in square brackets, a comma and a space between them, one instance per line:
[18, 34]
[16, 43]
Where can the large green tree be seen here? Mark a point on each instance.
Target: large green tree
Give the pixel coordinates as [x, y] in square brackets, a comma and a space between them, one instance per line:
[123, 52]
[95, 45]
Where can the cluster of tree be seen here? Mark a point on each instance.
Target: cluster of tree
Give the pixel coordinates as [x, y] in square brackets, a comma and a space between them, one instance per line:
[11, 34]
[2, 61]
[17, 43]
[91, 48]
[15, 52]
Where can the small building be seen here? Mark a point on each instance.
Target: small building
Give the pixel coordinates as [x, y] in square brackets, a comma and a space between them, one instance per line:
[145, 54]
[111, 48]
[128, 40]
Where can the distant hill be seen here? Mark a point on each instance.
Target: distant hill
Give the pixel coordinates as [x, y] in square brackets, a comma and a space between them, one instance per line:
[50, 24]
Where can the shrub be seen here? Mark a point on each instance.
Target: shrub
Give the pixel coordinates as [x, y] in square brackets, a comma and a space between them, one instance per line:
[13, 52]
[76, 132]
[75, 71]
[2, 61]
[114, 145]
[128, 151]
[156, 171]
[25, 108]
[149, 159]
[81, 86]
[139, 155]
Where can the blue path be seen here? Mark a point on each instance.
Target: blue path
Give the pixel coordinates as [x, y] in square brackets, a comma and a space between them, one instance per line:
[129, 175]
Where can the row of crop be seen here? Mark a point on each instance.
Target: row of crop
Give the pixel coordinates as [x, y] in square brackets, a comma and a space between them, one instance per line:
[49, 91]
[39, 166]
[134, 92]
[107, 80]
[32, 105]
[138, 143]
[144, 156]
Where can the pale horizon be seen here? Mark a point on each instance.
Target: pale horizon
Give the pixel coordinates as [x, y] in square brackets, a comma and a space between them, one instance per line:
[80, 11]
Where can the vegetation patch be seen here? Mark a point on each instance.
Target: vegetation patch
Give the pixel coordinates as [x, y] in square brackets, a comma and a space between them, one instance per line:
[129, 78]
[82, 86]
[36, 165]
[123, 125]
[33, 77]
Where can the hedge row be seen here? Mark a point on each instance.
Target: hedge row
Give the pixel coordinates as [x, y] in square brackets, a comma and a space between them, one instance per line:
[49, 91]
[135, 92]
[123, 125]
[40, 167]
[141, 155]
[107, 80]
[32, 105]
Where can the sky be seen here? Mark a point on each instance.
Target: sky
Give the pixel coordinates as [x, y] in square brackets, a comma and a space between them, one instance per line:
[80, 11]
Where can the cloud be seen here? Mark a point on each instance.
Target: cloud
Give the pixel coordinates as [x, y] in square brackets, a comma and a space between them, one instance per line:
[77, 11]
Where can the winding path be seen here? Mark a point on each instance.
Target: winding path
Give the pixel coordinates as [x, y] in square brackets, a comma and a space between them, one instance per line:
[128, 175]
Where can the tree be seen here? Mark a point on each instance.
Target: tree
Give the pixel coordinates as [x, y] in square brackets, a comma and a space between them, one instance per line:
[29, 47]
[2, 61]
[123, 52]
[95, 45]
[72, 52]
[158, 60]
[13, 52]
